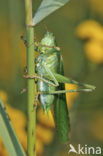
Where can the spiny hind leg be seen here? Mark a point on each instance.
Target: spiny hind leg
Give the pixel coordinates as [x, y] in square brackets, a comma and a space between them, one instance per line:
[67, 91]
[83, 84]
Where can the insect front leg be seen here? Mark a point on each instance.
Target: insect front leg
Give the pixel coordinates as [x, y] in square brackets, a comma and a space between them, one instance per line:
[26, 43]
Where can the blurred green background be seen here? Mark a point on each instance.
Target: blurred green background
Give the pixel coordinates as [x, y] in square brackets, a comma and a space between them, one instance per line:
[78, 28]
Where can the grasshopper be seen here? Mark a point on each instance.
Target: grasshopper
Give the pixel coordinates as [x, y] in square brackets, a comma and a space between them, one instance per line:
[51, 83]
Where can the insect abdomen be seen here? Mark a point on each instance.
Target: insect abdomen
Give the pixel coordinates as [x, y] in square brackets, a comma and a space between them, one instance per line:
[46, 100]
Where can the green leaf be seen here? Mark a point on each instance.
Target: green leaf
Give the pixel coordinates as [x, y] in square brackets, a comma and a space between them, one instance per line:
[8, 135]
[46, 8]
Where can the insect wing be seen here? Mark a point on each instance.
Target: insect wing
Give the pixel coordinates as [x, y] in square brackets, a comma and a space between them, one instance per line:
[61, 115]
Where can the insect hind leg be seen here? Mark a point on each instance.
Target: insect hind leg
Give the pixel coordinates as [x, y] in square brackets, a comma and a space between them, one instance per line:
[67, 91]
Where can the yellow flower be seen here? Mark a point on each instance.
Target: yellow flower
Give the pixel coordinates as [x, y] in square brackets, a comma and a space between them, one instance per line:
[39, 147]
[45, 119]
[45, 134]
[94, 51]
[90, 29]
[93, 31]
[70, 97]
[3, 151]
[18, 119]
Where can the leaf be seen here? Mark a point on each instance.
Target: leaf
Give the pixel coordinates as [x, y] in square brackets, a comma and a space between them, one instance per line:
[8, 135]
[46, 8]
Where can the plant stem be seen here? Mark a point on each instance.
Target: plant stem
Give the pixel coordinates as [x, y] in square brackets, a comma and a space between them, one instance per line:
[31, 134]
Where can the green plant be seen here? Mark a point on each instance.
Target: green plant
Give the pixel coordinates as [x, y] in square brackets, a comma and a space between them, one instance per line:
[6, 130]
[8, 134]
[14, 148]
[46, 7]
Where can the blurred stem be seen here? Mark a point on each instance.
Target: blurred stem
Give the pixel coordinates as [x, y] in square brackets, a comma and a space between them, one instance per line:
[31, 135]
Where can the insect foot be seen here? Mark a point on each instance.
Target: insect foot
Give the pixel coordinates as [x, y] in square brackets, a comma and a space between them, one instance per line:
[23, 90]
[24, 40]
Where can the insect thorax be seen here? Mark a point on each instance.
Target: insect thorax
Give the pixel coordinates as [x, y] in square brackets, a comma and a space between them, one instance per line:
[50, 60]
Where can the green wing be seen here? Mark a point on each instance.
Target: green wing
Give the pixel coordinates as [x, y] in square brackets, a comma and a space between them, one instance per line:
[61, 114]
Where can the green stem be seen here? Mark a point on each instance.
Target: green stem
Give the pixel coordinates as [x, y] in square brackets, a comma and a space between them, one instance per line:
[31, 134]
